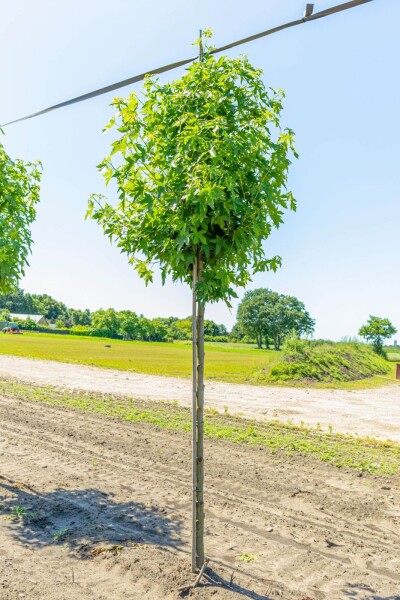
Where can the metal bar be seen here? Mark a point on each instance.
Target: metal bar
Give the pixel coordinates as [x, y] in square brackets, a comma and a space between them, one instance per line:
[157, 71]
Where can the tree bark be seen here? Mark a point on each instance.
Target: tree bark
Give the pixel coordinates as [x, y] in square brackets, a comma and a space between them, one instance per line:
[198, 422]
[194, 418]
[200, 429]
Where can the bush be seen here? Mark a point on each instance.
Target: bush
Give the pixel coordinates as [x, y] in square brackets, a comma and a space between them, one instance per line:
[81, 330]
[216, 338]
[28, 325]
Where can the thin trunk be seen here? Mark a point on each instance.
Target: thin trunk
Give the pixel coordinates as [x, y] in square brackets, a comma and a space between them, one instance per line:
[194, 417]
[259, 340]
[200, 429]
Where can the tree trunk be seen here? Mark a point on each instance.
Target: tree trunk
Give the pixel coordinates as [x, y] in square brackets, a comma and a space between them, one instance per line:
[198, 424]
[194, 417]
[200, 437]
[259, 340]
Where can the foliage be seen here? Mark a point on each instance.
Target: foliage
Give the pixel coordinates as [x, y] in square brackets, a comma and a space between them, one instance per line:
[80, 330]
[317, 361]
[376, 331]
[265, 315]
[105, 323]
[19, 194]
[80, 317]
[28, 324]
[4, 314]
[17, 301]
[201, 169]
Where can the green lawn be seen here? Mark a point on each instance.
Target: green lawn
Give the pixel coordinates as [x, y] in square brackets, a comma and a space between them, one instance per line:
[393, 353]
[237, 363]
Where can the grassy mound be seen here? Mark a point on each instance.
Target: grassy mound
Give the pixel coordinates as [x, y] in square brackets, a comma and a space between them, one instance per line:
[321, 361]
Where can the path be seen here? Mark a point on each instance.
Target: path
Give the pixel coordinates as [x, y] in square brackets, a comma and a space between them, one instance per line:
[374, 412]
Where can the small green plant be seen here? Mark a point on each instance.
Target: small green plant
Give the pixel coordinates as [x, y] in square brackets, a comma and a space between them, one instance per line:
[248, 558]
[20, 512]
[60, 534]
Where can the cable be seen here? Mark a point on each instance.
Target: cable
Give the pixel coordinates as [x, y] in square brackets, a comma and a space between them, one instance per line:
[157, 71]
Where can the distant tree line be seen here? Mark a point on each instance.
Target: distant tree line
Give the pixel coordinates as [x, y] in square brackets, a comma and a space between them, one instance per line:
[264, 317]
[125, 324]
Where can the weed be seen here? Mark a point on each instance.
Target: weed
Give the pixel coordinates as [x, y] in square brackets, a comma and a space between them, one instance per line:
[19, 512]
[248, 558]
[60, 534]
[365, 454]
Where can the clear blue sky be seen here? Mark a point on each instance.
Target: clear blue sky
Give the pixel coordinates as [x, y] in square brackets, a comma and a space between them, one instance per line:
[341, 75]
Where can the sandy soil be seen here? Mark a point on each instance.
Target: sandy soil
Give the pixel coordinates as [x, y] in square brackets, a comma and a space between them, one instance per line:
[316, 532]
[373, 412]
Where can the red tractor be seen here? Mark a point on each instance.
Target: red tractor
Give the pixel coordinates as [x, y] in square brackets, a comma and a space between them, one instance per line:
[12, 328]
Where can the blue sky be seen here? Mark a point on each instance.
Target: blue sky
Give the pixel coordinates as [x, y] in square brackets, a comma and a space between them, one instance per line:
[341, 76]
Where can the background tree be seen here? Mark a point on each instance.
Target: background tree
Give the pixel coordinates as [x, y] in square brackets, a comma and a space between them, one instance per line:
[268, 316]
[375, 331]
[105, 323]
[80, 317]
[19, 193]
[201, 170]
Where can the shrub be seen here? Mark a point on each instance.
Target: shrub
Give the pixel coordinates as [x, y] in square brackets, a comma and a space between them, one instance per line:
[80, 330]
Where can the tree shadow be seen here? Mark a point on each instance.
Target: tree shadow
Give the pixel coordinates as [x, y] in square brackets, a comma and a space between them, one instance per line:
[361, 591]
[82, 519]
[215, 580]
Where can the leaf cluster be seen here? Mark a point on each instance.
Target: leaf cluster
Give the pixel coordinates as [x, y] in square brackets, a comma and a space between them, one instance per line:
[201, 168]
[19, 193]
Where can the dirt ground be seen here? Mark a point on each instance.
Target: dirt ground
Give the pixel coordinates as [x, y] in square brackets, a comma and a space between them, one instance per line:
[310, 531]
[374, 412]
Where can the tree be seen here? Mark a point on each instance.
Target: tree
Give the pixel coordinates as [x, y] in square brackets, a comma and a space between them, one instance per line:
[254, 314]
[268, 316]
[105, 323]
[19, 194]
[375, 331]
[52, 309]
[201, 170]
[80, 317]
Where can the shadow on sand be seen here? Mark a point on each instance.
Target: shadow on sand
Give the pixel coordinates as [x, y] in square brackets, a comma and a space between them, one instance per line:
[83, 517]
[361, 591]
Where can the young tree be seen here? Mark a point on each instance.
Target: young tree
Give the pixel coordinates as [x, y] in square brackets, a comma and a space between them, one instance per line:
[201, 170]
[19, 193]
[375, 331]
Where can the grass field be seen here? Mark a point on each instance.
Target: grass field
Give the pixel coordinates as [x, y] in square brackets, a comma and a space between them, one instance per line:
[365, 454]
[393, 353]
[235, 363]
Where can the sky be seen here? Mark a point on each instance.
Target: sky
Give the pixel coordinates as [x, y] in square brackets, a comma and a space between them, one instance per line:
[340, 250]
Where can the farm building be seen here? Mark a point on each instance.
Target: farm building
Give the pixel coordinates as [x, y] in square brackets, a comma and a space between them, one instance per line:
[38, 319]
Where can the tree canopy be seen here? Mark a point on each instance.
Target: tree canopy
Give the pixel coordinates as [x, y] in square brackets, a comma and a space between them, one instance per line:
[19, 193]
[201, 168]
[268, 316]
[376, 330]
